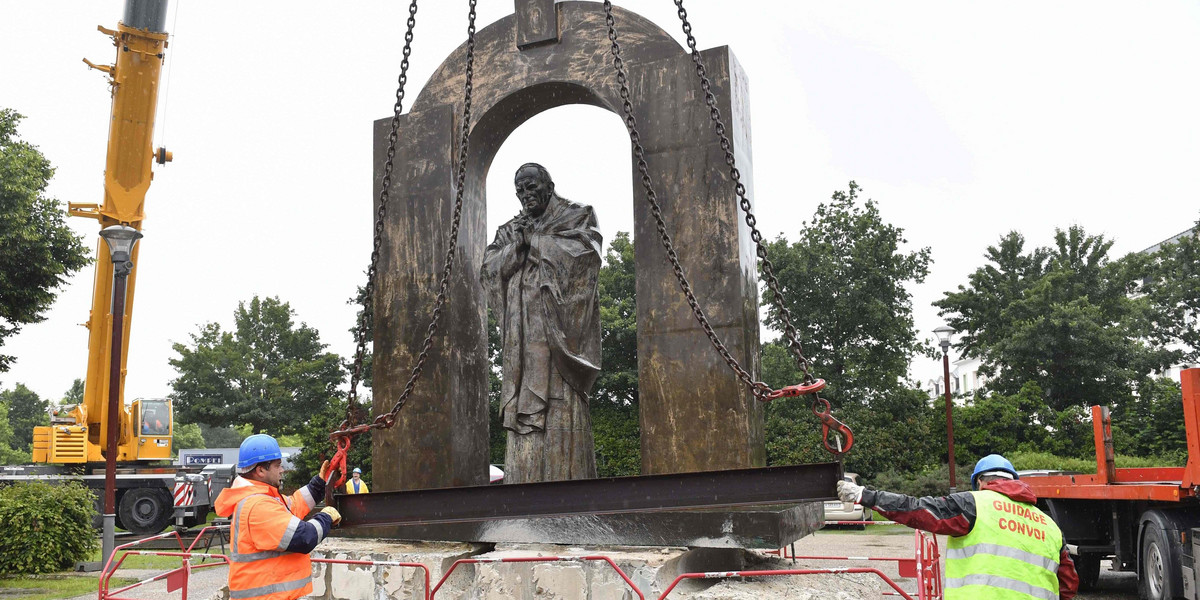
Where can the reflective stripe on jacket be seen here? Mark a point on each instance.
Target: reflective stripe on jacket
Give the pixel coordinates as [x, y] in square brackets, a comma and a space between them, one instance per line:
[1012, 552]
[264, 525]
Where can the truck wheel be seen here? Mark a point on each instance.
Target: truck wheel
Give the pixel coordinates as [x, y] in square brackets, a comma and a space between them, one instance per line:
[1088, 567]
[146, 510]
[1154, 576]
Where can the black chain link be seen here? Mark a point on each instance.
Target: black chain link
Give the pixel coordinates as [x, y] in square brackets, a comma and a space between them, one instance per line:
[759, 388]
[388, 419]
[820, 406]
[714, 114]
[367, 314]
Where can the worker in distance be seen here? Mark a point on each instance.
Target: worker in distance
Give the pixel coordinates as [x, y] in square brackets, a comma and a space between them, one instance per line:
[1001, 546]
[269, 544]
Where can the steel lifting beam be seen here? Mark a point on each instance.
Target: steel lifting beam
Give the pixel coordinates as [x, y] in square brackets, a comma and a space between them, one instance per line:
[707, 489]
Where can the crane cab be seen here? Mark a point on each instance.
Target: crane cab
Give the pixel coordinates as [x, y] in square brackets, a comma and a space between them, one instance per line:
[146, 427]
[153, 420]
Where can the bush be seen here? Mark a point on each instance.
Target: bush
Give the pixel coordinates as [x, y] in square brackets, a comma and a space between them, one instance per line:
[934, 481]
[1044, 460]
[46, 527]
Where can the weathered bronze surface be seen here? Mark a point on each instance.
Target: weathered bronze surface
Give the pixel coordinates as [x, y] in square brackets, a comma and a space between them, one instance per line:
[540, 273]
[695, 414]
[756, 527]
[537, 22]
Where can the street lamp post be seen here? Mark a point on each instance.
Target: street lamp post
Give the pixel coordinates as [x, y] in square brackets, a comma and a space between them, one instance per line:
[943, 333]
[120, 240]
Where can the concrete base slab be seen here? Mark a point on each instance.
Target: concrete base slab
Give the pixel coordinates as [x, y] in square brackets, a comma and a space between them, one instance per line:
[764, 527]
[556, 572]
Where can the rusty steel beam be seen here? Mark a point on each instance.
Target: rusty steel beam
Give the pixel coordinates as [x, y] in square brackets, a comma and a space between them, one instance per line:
[707, 489]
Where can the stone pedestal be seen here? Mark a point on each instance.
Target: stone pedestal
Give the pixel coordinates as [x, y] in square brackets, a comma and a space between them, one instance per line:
[651, 570]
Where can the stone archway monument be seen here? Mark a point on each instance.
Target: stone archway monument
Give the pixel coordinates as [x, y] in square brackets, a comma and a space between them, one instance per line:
[695, 414]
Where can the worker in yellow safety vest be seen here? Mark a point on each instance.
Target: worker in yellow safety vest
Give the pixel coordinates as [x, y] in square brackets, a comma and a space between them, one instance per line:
[356, 485]
[268, 557]
[1001, 546]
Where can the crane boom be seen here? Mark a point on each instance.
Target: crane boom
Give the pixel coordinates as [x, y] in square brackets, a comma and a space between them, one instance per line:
[79, 437]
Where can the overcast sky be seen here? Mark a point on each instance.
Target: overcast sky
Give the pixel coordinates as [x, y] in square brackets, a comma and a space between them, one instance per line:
[963, 120]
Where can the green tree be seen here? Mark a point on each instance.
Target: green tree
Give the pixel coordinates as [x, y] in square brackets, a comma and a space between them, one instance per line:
[26, 410]
[1151, 423]
[220, 437]
[1065, 318]
[267, 373]
[8, 454]
[38, 252]
[1173, 283]
[314, 440]
[995, 423]
[614, 399]
[316, 447]
[617, 282]
[186, 435]
[844, 282]
[73, 395]
[497, 436]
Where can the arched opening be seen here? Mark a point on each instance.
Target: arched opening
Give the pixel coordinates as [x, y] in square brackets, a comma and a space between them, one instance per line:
[586, 150]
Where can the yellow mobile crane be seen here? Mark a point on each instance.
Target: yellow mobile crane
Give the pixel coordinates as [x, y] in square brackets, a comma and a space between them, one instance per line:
[74, 445]
[79, 435]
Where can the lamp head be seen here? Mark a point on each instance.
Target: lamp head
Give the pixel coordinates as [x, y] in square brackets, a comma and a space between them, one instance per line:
[943, 334]
[120, 238]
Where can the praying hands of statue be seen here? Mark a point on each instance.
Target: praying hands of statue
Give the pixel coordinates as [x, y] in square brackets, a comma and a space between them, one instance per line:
[522, 228]
[515, 234]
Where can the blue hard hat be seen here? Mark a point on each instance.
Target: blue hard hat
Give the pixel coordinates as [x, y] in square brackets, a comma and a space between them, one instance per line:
[258, 448]
[357, 470]
[992, 462]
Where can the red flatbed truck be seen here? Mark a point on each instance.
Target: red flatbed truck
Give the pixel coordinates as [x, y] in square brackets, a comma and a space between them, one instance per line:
[1145, 519]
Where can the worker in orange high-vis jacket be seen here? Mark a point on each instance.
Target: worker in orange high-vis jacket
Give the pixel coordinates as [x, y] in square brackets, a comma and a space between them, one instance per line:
[268, 557]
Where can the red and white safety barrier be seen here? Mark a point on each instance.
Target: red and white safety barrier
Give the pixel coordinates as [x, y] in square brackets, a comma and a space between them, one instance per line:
[177, 579]
[728, 574]
[924, 565]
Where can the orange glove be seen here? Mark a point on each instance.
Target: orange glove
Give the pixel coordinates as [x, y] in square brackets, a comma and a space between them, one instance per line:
[333, 514]
[324, 473]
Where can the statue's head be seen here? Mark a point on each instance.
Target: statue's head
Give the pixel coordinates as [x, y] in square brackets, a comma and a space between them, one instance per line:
[534, 188]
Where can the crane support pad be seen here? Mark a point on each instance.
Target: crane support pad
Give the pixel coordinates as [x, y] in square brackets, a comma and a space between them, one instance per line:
[705, 489]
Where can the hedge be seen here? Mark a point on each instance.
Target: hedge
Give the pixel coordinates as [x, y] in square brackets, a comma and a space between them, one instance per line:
[47, 527]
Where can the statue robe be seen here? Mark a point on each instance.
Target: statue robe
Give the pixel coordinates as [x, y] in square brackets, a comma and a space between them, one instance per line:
[546, 300]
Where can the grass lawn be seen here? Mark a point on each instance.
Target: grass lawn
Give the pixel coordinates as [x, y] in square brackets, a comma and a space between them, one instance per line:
[49, 587]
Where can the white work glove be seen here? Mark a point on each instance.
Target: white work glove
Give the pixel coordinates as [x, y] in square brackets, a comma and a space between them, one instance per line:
[333, 514]
[849, 492]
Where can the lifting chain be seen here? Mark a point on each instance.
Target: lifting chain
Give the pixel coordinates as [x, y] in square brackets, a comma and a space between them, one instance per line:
[844, 438]
[348, 429]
